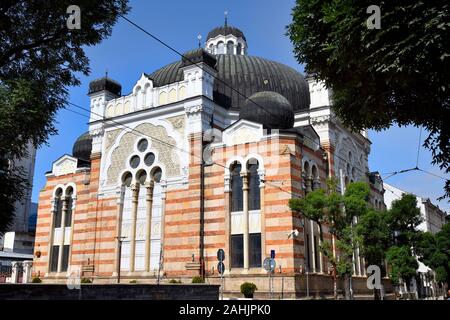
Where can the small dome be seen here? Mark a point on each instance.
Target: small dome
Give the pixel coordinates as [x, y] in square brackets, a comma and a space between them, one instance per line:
[197, 56]
[270, 109]
[82, 147]
[105, 83]
[224, 31]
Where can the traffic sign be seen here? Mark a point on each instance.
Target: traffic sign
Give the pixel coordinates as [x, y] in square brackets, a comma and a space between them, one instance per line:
[272, 254]
[220, 255]
[221, 267]
[269, 264]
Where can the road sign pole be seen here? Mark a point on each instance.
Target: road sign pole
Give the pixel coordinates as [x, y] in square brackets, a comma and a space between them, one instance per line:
[221, 269]
[223, 284]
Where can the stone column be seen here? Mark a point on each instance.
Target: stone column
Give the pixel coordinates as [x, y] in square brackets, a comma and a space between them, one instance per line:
[15, 271]
[263, 218]
[163, 223]
[63, 230]
[148, 225]
[320, 252]
[134, 208]
[227, 210]
[52, 234]
[245, 217]
[120, 196]
[313, 248]
[27, 271]
[308, 184]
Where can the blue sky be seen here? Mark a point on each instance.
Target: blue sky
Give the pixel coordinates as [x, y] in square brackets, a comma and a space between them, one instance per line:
[129, 52]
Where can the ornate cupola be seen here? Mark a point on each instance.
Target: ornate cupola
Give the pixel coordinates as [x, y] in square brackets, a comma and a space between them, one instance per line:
[226, 40]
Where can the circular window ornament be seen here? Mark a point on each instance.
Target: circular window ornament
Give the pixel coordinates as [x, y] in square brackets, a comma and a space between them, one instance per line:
[134, 161]
[142, 145]
[149, 159]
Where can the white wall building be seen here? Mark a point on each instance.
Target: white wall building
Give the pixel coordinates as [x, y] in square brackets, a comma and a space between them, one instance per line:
[433, 216]
[433, 220]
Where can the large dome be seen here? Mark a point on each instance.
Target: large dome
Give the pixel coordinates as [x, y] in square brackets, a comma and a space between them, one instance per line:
[82, 147]
[248, 75]
[270, 109]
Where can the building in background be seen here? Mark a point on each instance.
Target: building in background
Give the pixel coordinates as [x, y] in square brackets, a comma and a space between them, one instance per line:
[433, 217]
[18, 243]
[208, 152]
[433, 220]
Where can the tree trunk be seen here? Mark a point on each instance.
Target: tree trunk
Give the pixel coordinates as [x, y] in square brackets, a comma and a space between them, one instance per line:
[376, 294]
[347, 287]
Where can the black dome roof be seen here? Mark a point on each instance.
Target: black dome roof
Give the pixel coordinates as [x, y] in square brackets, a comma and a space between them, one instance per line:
[225, 30]
[270, 109]
[105, 83]
[248, 75]
[82, 147]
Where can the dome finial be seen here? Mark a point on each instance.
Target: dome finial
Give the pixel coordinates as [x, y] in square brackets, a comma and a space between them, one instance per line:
[226, 18]
[199, 37]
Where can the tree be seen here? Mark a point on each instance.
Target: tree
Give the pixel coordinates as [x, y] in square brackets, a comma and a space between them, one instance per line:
[326, 208]
[374, 236]
[398, 73]
[434, 252]
[403, 219]
[403, 264]
[39, 60]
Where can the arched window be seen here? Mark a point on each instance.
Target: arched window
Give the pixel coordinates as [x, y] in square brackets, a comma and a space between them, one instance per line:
[315, 176]
[306, 170]
[155, 242]
[236, 188]
[239, 49]
[69, 199]
[230, 47]
[211, 48]
[57, 218]
[254, 197]
[58, 209]
[307, 177]
[220, 48]
[126, 179]
[62, 221]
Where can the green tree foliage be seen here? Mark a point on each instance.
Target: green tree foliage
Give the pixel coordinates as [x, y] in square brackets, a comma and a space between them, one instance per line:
[403, 219]
[40, 58]
[402, 263]
[434, 252]
[398, 73]
[327, 208]
[375, 236]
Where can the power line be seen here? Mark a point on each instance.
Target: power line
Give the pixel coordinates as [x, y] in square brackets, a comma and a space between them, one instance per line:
[418, 147]
[432, 174]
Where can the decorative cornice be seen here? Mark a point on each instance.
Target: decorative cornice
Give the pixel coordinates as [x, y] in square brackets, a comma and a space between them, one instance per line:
[193, 109]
